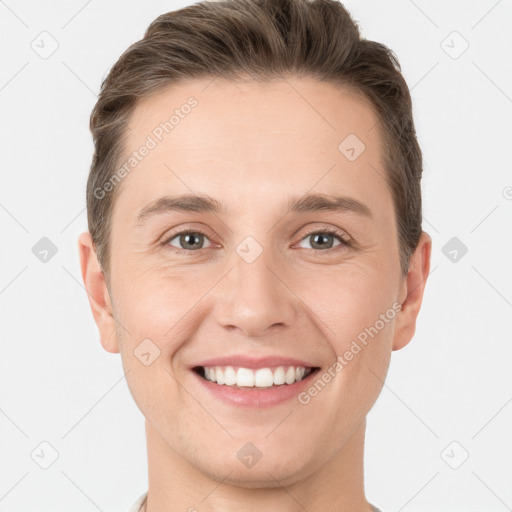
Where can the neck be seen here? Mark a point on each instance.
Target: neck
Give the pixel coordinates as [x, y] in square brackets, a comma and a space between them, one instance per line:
[336, 484]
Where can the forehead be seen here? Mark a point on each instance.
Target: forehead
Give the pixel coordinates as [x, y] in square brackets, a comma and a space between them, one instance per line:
[302, 108]
[253, 140]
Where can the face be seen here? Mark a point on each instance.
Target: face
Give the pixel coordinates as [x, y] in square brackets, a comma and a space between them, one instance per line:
[285, 254]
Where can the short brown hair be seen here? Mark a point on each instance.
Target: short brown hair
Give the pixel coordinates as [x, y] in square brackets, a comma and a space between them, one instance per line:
[265, 39]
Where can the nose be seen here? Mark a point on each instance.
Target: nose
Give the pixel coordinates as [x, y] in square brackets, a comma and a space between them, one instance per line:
[255, 299]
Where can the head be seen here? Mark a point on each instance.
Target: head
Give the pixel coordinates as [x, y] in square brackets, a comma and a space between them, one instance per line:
[264, 113]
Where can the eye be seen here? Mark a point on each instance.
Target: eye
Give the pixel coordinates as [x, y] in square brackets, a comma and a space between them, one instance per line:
[190, 241]
[322, 240]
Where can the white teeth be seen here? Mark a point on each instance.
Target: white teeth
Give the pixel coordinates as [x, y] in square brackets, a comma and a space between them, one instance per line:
[290, 375]
[219, 376]
[244, 377]
[279, 377]
[261, 378]
[264, 378]
[230, 378]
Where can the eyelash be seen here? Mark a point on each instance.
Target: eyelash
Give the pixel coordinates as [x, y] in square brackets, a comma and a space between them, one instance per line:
[344, 244]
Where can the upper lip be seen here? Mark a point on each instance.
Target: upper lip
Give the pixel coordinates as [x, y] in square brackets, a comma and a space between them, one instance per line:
[253, 362]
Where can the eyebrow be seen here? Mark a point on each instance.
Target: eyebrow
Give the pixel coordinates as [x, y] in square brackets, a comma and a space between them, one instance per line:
[296, 204]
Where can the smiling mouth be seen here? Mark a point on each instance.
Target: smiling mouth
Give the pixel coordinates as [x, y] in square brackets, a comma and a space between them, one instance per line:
[247, 378]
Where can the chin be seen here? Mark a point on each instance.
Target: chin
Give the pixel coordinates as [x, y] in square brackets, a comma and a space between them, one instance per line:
[265, 474]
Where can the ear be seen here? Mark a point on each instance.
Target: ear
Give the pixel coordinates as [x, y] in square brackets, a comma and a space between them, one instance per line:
[97, 292]
[411, 293]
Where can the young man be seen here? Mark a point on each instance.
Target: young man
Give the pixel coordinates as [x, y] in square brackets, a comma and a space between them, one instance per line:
[255, 250]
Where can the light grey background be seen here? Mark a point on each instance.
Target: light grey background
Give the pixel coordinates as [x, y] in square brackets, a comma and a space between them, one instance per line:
[452, 383]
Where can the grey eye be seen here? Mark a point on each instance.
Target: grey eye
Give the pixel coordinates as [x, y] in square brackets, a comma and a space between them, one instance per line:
[322, 240]
[190, 241]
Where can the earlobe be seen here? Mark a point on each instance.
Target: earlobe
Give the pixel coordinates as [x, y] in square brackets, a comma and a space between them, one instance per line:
[97, 293]
[412, 292]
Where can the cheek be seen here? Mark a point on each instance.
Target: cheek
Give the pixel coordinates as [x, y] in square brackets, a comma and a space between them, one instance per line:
[152, 311]
[347, 303]
[349, 309]
[157, 303]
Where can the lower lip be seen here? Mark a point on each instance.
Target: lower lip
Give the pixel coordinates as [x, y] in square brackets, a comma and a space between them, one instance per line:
[256, 397]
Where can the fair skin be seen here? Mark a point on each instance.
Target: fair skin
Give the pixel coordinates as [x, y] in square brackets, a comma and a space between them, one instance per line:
[251, 147]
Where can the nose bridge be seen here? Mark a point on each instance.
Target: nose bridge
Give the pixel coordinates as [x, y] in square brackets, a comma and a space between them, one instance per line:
[253, 297]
